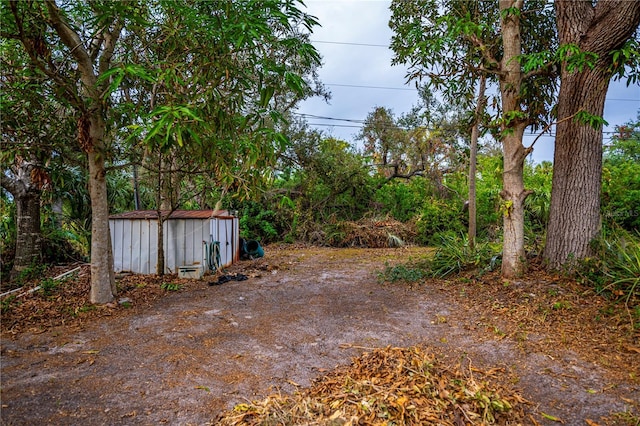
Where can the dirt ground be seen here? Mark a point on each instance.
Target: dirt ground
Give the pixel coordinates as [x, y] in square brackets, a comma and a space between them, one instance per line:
[185, 356]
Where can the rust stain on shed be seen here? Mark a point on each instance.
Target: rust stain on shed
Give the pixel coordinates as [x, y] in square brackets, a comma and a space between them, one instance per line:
[177, 214]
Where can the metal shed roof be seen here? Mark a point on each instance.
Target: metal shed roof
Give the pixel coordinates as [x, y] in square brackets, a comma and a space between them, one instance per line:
[176, 214]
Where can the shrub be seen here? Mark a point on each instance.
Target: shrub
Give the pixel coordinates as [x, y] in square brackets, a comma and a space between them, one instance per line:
[615, 269]
[453, 255]
[438, 216]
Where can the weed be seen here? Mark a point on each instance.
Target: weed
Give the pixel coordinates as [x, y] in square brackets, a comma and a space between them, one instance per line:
[616, 267]
[86, 308]
[30, 272]
[48, 286]
[401, 273]
[170, 286]
[5, 305]
[615, 270]
[561, 305]
[454, 255]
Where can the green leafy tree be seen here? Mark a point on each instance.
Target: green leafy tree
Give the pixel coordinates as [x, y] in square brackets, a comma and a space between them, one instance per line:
[598, 40]
[208, 89]
[215, 94]
[621, 178]
[449, 45]
[32, 149]
[73, 44]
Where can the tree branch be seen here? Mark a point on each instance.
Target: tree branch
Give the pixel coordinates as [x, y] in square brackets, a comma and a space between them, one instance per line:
[529, 150]
[71, 39]
[110, 39]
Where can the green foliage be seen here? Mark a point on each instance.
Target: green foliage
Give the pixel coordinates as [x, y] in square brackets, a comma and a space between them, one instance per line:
[575, 58]
[615, 268]
[6, 303]
[447, 44]
[453, 255]
[30, 273]
[625, 62]
[170, 286]
[591, 120]
[401, 273]
[621, 178]
[48, 286]
[259, 224]
[402, 200]
[438, 216]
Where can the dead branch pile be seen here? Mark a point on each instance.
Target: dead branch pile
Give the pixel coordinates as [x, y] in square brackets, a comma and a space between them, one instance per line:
[373, 233]
[391, 386]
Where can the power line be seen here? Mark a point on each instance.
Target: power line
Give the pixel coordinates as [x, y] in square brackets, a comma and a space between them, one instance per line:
[358, 86]
[371, 87]
[350, 44]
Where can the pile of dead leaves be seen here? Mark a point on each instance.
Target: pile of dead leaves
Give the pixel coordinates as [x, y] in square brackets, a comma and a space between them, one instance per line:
[402, 386]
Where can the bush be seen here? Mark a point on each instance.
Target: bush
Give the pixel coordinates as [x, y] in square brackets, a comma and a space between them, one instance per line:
[615, 269]
[453, 255]
[258, 224]
[438, 216]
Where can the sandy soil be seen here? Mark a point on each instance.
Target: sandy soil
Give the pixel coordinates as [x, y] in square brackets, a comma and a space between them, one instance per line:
[191, 354]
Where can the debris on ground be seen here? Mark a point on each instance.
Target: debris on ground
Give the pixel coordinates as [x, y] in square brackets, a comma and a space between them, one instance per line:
[391, 386]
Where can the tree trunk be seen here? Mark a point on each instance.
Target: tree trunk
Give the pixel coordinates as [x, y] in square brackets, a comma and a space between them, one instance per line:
[159, 205]
[89, 102]
[28, 233]
[473, 162]
[574, 218]
[103, 289]
[513, 193]
[27, 193]
[160, 259]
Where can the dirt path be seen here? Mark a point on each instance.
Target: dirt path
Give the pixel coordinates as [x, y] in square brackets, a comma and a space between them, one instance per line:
[197, 352]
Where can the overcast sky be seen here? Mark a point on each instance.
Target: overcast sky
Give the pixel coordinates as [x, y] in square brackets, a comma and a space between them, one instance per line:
[353, 40]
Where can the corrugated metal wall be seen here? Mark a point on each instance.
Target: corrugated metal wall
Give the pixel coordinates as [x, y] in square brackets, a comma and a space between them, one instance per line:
[135, 247]
[227, 232]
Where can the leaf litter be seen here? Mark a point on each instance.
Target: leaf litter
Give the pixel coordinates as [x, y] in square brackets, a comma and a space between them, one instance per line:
[542, 314]
[392, 386]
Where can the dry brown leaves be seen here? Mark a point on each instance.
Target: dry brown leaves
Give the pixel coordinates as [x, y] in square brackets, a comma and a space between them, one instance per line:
[402, 386]
[67, 303]
[552, 313]
[375, 233]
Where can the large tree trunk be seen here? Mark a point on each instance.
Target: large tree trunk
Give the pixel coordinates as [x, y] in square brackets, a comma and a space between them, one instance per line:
[28, 233]
[26, 194]
[513, 192]
[574, 219]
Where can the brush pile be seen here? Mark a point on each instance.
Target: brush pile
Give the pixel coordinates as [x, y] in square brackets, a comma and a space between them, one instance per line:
[391, 386]
[373, 233]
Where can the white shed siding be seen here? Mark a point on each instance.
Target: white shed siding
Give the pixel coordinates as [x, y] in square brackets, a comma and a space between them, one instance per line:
[183, 242]
[227, 232]
[135, 247]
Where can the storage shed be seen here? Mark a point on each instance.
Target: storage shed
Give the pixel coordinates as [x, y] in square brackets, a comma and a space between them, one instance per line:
[206, 239]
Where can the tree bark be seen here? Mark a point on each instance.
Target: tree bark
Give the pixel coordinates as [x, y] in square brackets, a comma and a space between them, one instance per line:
[103, 289]
[473, 152]
[574, 218]
[513, 192]
[28, 234]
